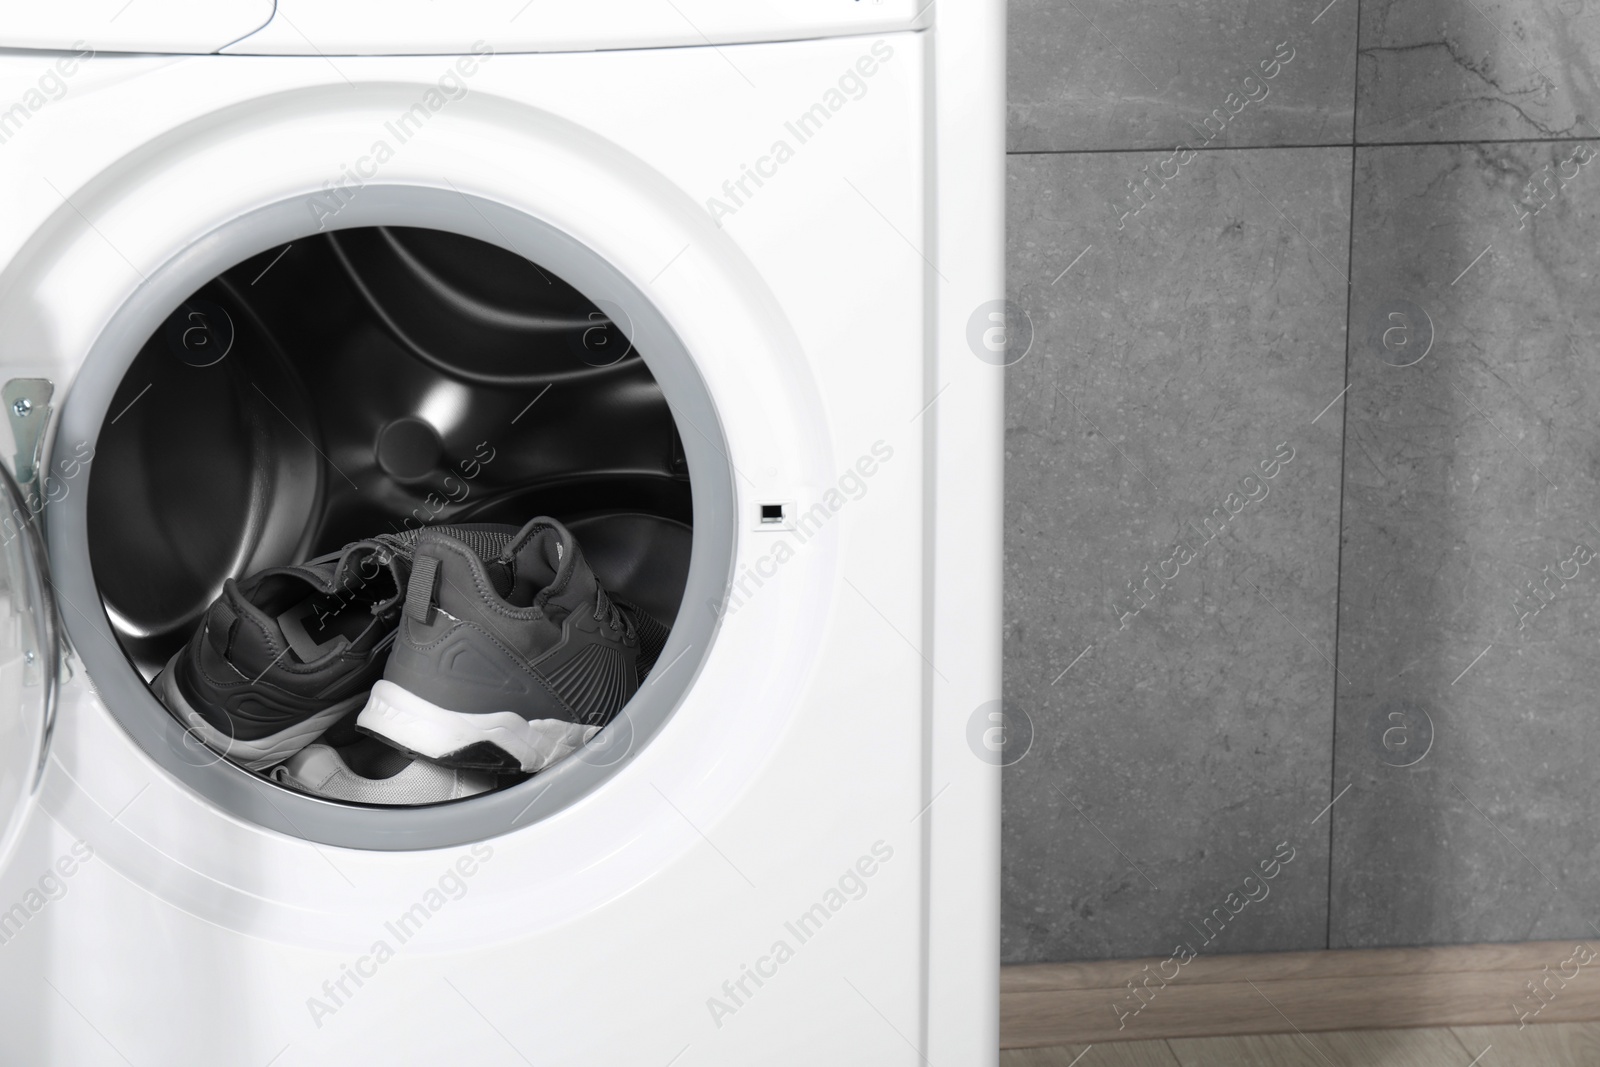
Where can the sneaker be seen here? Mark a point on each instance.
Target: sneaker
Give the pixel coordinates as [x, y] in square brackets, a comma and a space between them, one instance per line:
[379, 775]
[285, 653]
[509, 662]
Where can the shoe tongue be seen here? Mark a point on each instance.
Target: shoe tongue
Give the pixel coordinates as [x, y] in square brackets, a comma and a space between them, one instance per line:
[365, 572]
[548, 568]
[314, 608]
[241, 630]
[499, 572]
[369, 572]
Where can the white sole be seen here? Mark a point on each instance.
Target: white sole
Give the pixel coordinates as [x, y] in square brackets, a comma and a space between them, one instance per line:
[255, 755]
[321, 771]
[425, 729]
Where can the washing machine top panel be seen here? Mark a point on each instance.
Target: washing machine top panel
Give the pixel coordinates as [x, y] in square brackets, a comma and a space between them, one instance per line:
[422, 27]
[143, 26]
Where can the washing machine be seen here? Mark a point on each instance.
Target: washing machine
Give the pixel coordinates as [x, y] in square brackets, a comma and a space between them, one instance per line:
[719, 285]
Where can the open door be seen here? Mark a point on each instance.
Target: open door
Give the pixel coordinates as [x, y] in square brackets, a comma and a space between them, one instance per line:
[29, 658]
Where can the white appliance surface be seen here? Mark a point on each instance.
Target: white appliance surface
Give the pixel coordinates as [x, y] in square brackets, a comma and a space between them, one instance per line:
[420, 27]
[753, 888]
[136, 26]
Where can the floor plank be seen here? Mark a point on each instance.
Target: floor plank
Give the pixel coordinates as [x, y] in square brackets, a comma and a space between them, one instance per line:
[1547, 1045]
[1367, 1048]
[1051, 1005]
[1315, 964]
[1265, 1050]
[1112, 1054]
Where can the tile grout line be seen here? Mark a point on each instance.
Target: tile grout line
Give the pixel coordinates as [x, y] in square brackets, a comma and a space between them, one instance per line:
[1344, 451]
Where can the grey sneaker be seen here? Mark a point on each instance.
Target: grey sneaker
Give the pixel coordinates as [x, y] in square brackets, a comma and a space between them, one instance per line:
[287, 652]
[510, 662]
[385, 776]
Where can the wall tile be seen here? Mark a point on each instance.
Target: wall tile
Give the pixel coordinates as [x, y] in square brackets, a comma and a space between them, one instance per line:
[1174, 351]
[1466, 727]
[1482, 70]
[1107, 74]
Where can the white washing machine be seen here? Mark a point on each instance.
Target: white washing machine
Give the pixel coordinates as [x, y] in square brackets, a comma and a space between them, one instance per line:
[716, 282]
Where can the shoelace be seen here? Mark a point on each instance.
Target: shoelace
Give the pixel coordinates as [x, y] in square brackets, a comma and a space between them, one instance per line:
[403, 545]
[606, 610]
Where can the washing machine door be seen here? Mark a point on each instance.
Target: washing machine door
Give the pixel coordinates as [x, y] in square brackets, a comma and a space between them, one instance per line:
[29, 656]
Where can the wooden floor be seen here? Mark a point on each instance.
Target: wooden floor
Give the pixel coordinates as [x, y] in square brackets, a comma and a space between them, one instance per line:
[1547, 1045]
[1454, 988]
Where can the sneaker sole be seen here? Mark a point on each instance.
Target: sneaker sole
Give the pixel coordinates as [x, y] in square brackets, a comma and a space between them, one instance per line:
[335, 780]
[484, 741]
[255, 755]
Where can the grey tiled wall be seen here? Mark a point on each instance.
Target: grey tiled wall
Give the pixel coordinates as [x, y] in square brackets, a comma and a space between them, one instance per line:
[1468, 476]
[1088, 75]
[1236, 592]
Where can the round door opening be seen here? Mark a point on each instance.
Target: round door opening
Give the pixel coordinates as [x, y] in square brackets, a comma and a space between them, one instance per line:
[393, 528]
